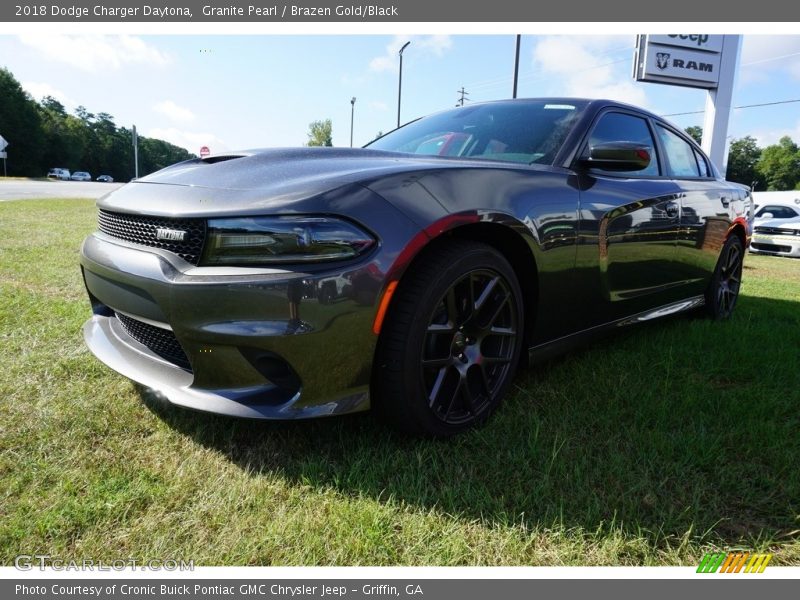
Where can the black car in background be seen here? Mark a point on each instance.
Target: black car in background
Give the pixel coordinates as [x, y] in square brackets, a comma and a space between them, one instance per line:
[413, 275]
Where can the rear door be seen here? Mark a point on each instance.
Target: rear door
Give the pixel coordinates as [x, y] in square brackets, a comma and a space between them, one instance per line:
[704, 209]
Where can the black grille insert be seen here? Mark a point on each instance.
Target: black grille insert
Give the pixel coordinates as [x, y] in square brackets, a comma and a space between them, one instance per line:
[770, 247]
[160, 341]
[777, 231]
[143, 230]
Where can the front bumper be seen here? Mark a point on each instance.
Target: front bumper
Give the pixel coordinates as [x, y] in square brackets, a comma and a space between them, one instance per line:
[260, 343]
[779, 245]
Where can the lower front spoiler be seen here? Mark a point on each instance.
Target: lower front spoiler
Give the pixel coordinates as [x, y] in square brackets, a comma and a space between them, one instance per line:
[175, 384]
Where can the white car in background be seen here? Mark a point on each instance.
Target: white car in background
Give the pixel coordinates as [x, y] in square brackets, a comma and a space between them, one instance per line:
[769, 212]
[58, 173]
[81, 176]
[780, 237]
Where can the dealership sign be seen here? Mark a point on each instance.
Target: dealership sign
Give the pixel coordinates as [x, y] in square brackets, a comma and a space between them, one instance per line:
[690, 60]
[697, 60]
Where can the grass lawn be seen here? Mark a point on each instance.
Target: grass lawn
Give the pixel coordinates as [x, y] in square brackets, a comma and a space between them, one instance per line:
[652, 447]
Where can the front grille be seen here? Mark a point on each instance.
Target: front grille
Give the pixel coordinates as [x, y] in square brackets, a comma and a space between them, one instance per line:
[142, 230]
[777, 231]
[770, 247]
[160, 341]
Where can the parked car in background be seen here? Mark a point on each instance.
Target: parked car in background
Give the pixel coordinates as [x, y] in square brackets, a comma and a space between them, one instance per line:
[777, 236]
[771, 212]
[105, 179]
[58, 173]
[81, 176]
[443, 255]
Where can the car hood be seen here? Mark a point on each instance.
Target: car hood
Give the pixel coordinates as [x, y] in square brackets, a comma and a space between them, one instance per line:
[265, 179]
[779, 223]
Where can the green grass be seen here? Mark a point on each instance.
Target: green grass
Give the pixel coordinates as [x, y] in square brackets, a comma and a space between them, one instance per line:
[652, 447]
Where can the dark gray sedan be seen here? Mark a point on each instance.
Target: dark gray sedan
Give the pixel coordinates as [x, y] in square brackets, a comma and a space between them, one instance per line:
[414, 275]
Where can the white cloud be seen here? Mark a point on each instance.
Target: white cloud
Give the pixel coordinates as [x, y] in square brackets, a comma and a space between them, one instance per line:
[422, 45]
[39, 89]
[379, 106]
[173, 111]
[96, 53]
[191, 140]
[588, 66]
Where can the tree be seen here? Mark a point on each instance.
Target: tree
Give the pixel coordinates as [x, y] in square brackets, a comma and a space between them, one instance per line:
[320, 133]
[64, 135]
[779, 165]
[21, 126]
[696, 132]
[743, 158]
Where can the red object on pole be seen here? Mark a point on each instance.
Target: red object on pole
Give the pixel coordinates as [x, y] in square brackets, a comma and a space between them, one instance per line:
[204, 151]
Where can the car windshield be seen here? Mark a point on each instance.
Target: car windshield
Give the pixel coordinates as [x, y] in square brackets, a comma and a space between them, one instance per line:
[520, 131]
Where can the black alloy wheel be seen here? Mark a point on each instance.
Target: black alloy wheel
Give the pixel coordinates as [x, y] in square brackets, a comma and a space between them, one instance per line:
[724, 288]
[451, 341]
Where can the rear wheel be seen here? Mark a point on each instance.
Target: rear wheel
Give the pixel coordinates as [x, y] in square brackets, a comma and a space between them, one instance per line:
[451, 341]
[723, 291]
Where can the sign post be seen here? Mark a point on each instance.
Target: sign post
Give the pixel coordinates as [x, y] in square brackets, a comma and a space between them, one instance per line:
[3, 154]
[700, 61]
[204, 151]
[135, 153]
[718, 104]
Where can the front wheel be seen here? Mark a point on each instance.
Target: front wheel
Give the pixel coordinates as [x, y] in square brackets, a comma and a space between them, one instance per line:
[723, 291]
[451, 341]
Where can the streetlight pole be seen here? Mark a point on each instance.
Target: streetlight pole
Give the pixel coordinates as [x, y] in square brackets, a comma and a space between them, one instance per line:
[400, 82]
[352, 114]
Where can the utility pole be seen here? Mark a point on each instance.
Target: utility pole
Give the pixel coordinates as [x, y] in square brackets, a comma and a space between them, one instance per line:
[464, 93]
[516, 67]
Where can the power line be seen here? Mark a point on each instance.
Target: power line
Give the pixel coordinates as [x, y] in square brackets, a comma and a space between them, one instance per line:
[763, 60]
[700, 112]
[497, 81]
[536, 75]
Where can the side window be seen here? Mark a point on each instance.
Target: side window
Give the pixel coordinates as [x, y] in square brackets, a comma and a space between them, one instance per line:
[705, 168]
[680, 155]
[619, 127]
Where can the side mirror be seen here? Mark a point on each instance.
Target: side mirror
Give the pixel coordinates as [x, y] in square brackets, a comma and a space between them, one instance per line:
[617, 156]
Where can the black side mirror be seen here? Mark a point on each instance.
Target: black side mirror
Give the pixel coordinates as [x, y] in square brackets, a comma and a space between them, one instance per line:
[617, 156]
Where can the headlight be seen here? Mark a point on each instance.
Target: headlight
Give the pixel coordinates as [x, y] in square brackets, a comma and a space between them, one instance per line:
[290, 239]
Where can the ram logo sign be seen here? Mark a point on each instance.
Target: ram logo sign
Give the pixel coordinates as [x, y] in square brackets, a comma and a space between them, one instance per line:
[690, 60]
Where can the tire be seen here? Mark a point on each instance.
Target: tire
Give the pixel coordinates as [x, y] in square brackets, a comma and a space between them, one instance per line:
[723, 290]
[450, 343]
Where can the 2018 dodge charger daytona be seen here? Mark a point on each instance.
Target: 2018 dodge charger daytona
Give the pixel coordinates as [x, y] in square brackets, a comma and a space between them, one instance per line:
[414, 275]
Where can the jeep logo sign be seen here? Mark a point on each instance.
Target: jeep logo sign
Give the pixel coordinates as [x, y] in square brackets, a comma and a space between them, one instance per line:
[697, 41]
[690, 60]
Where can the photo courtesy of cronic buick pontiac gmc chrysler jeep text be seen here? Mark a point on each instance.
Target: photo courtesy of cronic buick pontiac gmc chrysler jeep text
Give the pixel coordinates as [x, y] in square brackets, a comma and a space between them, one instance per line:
[414, 275]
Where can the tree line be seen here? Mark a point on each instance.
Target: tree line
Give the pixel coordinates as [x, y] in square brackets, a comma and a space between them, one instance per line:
[42, 135]
[775, 168]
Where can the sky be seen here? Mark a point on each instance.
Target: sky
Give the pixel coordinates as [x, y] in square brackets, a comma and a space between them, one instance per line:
[232, 92]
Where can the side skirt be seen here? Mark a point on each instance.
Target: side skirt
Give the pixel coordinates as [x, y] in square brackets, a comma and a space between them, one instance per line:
[553, 348]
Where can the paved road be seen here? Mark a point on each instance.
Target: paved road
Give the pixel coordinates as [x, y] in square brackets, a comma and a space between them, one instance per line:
[25, 189]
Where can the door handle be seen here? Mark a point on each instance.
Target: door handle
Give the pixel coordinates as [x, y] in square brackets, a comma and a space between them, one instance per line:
[671, 209]
[725, 202]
